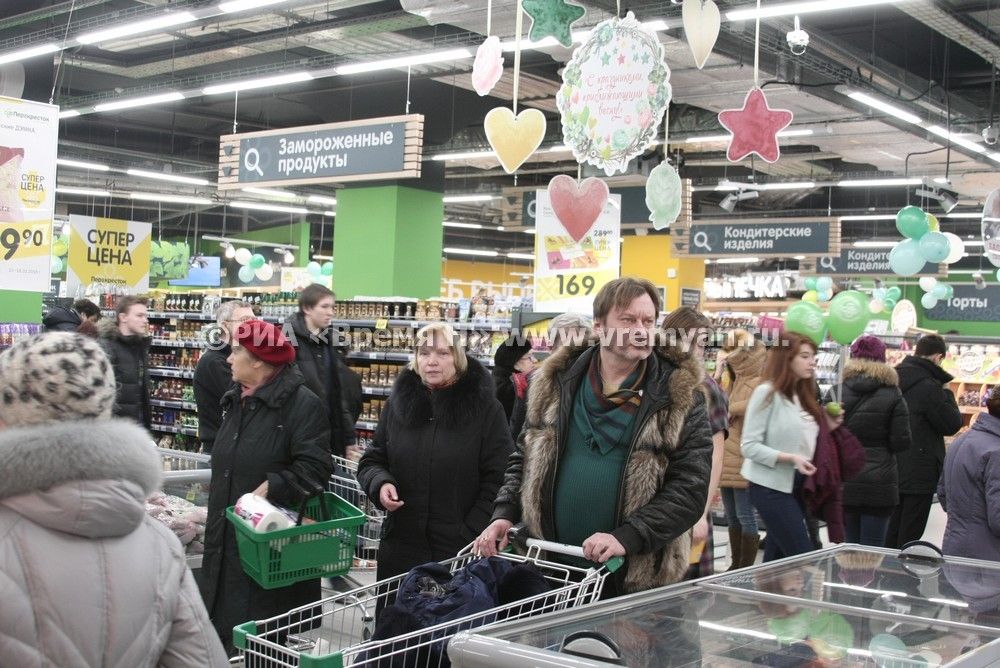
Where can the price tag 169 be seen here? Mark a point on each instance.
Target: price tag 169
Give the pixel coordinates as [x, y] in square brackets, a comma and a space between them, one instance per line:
[24, 240]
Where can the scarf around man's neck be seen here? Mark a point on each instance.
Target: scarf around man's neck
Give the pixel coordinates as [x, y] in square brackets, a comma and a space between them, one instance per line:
[607, 417]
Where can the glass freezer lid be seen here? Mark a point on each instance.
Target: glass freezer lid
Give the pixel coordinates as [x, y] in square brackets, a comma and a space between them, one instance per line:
[953, 590]
[691, 626]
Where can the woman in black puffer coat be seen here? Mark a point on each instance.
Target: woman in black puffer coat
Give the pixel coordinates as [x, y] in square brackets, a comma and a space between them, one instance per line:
[876, 413]
[438, 455]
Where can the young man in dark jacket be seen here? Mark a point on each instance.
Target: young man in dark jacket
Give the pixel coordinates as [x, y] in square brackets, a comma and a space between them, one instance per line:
[320, 363]
[126, 342]
[61, 319]
[934, 414]
[616, 451]
[213, 376]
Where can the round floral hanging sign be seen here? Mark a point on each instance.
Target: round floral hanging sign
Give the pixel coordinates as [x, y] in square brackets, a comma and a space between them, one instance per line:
[614, 92]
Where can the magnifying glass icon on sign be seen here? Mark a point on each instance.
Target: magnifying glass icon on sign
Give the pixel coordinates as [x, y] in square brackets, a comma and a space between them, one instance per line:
[827, 263]
[701, 241]
[251, 161]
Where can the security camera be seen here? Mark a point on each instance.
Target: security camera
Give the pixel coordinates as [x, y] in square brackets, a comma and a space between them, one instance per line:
[991, 134]
[977, 278]
[798, 39]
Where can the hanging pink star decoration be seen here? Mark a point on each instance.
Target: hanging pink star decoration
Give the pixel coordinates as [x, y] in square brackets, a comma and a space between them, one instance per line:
[754, 128]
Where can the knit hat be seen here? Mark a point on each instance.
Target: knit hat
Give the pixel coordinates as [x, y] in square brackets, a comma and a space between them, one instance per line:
[510, 351]
[58, 376]
[868, 348]
[265, 341]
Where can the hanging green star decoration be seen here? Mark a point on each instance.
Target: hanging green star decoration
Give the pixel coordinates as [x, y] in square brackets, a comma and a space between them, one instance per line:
[552, 17]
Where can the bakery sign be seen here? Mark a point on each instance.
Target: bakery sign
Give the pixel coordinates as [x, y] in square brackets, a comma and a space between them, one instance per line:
[367, 150]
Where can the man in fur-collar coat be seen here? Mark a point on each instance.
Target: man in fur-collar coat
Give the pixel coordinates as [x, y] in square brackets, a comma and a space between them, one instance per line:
[616, 451]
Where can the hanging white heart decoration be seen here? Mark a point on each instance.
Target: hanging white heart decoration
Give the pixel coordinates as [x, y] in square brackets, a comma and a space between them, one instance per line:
[701, 27]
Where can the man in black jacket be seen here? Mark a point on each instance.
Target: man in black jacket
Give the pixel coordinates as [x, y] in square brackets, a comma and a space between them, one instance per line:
[61, 319]
[212, 376]
[616, 452]
[934, 414]
[321, 364]
[126, 342]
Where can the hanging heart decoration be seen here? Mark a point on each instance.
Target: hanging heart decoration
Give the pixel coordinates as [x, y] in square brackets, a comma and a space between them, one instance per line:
[663, 195]
[701, 27]
[514, 138]
[577, 205]
[488, 66]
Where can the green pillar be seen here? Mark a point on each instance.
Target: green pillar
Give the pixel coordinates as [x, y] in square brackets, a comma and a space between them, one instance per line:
[387, 242]
[18, 306]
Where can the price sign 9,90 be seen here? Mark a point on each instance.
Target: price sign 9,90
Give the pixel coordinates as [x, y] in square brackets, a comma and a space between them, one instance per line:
[21, 240]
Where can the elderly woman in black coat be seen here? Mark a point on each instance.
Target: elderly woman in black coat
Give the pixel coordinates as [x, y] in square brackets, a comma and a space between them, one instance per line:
[274, 438]
[438, 456]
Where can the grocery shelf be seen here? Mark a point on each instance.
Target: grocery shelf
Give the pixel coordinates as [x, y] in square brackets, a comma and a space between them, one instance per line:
[170, 429]
[174, 343]
[367, 426]
[376, 391]
[169, 403]
[171, 372]
[385, 357]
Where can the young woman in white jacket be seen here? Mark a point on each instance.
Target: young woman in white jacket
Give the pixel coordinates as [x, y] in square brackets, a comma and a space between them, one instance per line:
[87, 579]
[779, 439]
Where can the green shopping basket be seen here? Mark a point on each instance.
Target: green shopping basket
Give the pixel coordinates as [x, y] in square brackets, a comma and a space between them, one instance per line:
[323, 549]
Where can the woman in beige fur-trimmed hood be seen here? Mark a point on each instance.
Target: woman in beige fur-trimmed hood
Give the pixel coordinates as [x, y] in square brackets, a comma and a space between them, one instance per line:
[647, 483]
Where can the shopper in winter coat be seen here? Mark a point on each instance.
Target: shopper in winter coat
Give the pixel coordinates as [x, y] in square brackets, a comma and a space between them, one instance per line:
[565, 328]
[317, 357]
[212, 376]
[616, 452]
[780, 432]
[512, 362]
[934, 414]
[878, 417]
[273, 439]
[745, 364]
[438, 455]
[86, 577]
[969, 490]
[60, 319]
[126, 343]
[686, 331]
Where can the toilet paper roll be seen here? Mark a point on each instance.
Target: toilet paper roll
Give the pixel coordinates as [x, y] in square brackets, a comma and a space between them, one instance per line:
[261, 514]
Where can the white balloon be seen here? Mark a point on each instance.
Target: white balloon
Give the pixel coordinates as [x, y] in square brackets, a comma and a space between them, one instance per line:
[243, 255]
[265, 272]
[876, 306]
[956, 248]
[927, 283]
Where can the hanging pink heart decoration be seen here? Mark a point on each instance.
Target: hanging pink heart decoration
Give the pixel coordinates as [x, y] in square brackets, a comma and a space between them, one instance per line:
[577, 206]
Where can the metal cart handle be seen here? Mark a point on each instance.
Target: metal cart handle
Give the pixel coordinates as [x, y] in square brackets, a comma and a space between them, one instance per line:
[536, 546]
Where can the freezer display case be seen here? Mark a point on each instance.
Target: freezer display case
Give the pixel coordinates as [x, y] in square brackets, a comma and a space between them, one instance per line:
[847, 606]
[182, 503]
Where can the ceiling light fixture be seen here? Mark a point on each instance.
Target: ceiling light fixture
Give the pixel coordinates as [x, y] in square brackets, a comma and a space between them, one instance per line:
[138, 27]
[955, 138]
[243, 5]
[802, 132]
[172, 96]
[230, 250]
[471, 251]
[470, 226]
[789, 185]
[792, 8]
[266, 82]
[464, 155]
[876, 103]
[289, 257]
[330, 213]
[530, 231]
[878, 183]
[323, 257]
[945, 199]
[405, 61]
[729, 202]
[870, 216]
[165, 176]
[80, 164]
[966, 214]
[88, 192]
[875, 244]
[462, 199]
[521, 256]
[321, 199]
[30, 52]
[738, 260]
[173, 199]
[69, 113]
[270, 192]
[260, 206]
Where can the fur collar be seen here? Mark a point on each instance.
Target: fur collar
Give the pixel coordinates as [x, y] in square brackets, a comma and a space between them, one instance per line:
[464, 402]
[877, 371]
[747, 361]
[107, 328]
[42, 456]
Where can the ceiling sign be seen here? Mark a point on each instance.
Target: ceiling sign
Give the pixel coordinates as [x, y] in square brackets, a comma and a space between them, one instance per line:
[968, 305]
[782, 237]
[860, 262]
[366, 150]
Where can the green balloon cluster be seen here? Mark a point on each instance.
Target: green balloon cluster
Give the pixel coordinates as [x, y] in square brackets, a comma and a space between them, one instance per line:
[327, 269]
[257, 261]
[924, 242]
[807, 319]
[168, 260]
[845, 321]
[314, 269]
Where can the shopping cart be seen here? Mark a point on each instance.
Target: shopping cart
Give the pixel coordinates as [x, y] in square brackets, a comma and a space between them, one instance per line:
[337, 631]
[344, 483]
